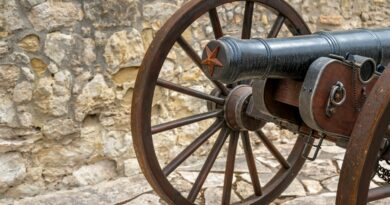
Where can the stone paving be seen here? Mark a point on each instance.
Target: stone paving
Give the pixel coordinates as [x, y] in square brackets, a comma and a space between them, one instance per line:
[315, 184]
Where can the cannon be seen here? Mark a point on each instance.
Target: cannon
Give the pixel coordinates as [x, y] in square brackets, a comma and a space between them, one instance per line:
[291, 57]
[324, 86]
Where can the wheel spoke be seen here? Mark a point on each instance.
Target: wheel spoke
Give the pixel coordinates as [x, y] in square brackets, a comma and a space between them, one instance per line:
[188, 91]
[215, 23]
[274, 151]
[184, 121]
[378, 193]
[229, 171]
[248, 16]
[198, 61]
[225, 91]
[251, 163]
[190, 51]
[180, 158]
[277, 26]
[208, 164]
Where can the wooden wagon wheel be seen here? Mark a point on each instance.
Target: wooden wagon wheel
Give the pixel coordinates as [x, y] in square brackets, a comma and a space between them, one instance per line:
[362, 151]
[148, 79]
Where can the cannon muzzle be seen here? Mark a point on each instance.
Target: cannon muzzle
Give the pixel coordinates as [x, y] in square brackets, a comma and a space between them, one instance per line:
[229, 59]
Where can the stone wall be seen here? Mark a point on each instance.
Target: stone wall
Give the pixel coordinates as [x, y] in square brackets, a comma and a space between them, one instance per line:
[67, 72]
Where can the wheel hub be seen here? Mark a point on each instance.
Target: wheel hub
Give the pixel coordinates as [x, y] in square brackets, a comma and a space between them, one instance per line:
[235, 109]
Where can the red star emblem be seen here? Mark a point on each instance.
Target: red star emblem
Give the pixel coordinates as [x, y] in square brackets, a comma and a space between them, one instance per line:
[211, 61]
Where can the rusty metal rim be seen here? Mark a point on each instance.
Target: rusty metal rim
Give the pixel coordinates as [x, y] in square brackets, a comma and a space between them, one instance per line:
[146, 82]
[363, 148]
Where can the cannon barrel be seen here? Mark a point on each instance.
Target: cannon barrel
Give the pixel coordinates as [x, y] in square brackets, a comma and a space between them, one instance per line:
[229, 59]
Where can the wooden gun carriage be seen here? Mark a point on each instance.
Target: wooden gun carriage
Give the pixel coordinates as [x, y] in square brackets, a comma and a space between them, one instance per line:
[331, 86]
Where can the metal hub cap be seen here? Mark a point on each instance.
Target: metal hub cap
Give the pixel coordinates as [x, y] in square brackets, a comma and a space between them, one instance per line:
[235, 107]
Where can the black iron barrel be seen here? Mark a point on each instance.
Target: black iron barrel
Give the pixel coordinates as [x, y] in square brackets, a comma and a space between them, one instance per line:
[229, 59]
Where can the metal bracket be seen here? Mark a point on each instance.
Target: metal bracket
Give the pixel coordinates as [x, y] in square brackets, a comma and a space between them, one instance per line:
[310, 143]
[367, 67]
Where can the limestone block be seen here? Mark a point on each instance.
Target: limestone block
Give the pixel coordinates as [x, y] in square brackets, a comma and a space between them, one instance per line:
[117, 144]
[17, 133]
[124, 49]
[125, 77]
[80, 151]
[29, 43]
[26, 189]
[116, 117]
[58, 128]
[131, 167]
[80, 81]
[58, 45]
[95, 173]
[55, 14]
[19, 58]
[53, 68]
[25, 119]
[7, 112]
[21, 144]
[69, 50]
[28, 73]
[39, 66]
[10, 19]
[60, 157]
[22, 92]
[335, 20]
[31, 3]
[52, 95]
[9, 74]
[157, 13]
[95, 95]
[4, 48]
[12, 169]
[111, 13]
